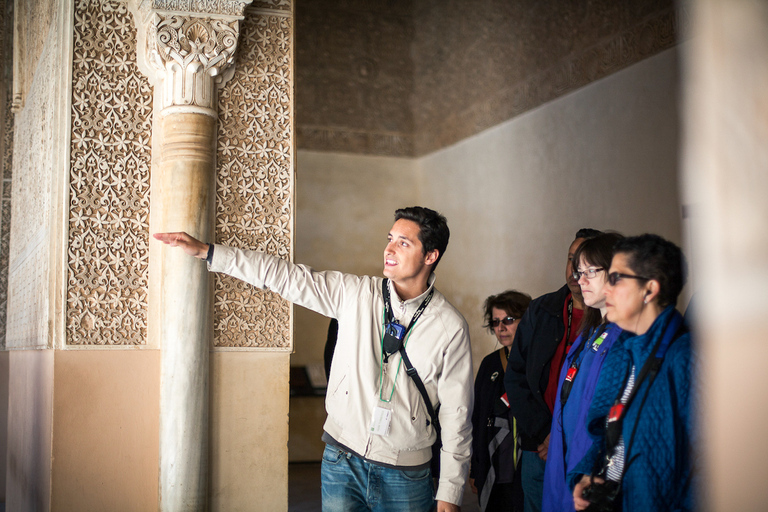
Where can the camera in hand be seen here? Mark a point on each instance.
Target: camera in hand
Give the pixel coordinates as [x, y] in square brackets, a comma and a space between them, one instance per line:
[602, 496]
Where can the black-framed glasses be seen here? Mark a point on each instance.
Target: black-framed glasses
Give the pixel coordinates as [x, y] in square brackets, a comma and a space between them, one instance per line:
[506, 321]
[590, 273]
[615, 277]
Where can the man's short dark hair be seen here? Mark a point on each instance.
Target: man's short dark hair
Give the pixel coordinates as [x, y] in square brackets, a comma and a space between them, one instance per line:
[433, 229]
[587, 233]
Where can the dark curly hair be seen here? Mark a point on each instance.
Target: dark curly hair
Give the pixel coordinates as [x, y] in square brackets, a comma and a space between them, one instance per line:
[653, 257]
[512, 301]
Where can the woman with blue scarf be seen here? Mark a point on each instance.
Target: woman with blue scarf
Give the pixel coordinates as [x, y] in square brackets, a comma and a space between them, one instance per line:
[641, 418]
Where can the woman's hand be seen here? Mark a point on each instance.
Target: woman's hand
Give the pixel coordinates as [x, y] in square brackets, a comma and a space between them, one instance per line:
[472, 485]
[580, 503]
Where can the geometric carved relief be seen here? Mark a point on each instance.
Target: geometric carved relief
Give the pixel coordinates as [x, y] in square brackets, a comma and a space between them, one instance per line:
[254, 178]
[109, 182]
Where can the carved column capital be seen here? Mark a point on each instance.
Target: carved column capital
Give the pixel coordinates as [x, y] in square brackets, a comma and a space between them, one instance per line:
[187, 47]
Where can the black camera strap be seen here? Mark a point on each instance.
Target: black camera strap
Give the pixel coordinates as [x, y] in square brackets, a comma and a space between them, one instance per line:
[650, 369]
[409, 369]
[390, 318]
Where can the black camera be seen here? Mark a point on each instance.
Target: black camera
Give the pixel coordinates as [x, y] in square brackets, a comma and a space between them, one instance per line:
[393, 337]
[602, 496]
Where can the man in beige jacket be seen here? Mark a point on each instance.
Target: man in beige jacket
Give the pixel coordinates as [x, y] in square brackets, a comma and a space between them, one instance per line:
[378, 433]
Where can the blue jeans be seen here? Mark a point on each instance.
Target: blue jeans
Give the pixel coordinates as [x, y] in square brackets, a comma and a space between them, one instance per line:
[350, 484]
[532, 474]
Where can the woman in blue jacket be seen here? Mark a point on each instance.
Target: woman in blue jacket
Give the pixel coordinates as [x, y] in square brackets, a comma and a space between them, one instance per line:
[569, 440]
[641, 417]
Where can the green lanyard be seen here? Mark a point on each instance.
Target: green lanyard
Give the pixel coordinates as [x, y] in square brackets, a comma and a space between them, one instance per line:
[381, 365]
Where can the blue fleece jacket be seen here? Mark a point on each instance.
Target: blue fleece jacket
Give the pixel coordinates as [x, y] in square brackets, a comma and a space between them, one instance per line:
[658, 459]
[569, 439]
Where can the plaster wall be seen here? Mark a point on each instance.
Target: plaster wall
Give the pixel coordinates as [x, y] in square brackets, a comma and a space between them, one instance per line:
[30, 420]
[725, 184]
[4, 381]
[106, 422]
[604, 156]
[345, 206]
[249, 431]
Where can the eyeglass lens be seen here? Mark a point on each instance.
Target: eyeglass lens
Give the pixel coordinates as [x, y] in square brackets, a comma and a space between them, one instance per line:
[590, 273]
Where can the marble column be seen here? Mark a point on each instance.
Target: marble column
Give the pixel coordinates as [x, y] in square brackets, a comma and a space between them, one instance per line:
[187, 56]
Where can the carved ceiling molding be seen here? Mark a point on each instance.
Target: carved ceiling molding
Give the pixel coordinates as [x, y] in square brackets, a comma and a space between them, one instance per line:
[653, 35]
[403, 78]
[254, 180]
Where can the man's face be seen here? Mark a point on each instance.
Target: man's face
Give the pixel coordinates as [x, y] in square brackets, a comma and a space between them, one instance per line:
[573, 284]
[404, 258]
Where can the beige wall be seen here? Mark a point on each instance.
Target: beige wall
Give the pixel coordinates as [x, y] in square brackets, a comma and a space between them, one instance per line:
[249, 431]
[725, 184]
[106, 423]
[30, 423]
[344, 209]
[4, 376]
[604, 156]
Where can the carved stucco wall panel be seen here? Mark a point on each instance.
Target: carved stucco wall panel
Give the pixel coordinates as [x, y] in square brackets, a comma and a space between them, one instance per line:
[6, 157]
[254, 182]
[109, 181]
[29, 263]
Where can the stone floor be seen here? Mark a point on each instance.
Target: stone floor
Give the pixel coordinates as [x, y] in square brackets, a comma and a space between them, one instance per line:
[304, 489]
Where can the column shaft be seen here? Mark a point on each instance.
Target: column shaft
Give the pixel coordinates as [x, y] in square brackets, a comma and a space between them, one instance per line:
[186, 170]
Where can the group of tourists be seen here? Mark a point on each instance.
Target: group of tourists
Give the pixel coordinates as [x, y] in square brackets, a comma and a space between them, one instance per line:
[595, 408]
[586, 404]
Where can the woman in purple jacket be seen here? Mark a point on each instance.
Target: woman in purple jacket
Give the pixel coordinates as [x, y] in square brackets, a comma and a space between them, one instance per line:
[569, 440]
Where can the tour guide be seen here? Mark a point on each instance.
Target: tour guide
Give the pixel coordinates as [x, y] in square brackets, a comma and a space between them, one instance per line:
[378, 433]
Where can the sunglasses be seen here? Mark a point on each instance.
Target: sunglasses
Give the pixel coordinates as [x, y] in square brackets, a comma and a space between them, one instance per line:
[615, 277]
[506, 321]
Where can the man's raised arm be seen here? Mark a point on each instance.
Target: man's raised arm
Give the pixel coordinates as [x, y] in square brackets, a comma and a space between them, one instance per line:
[190, 245]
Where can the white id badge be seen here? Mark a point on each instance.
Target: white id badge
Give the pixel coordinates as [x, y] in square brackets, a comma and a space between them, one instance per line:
[380, 421]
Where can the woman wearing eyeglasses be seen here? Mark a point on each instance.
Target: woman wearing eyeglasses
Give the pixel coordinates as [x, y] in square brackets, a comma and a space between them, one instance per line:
[641, 418]
[568, 439]
[495, 451]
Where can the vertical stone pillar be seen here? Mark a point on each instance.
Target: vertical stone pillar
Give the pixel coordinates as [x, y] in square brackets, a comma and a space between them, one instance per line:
[188, 54]
[725, 184]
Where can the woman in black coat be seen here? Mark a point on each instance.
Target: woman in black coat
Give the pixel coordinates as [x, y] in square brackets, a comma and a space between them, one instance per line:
[495, 451]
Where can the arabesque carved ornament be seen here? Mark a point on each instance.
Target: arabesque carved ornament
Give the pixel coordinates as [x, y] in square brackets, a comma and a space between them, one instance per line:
[191, 52]
[254, 180]
[107, 267]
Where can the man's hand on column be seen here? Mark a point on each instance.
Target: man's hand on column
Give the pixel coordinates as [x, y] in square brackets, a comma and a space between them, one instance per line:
[189, 245]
